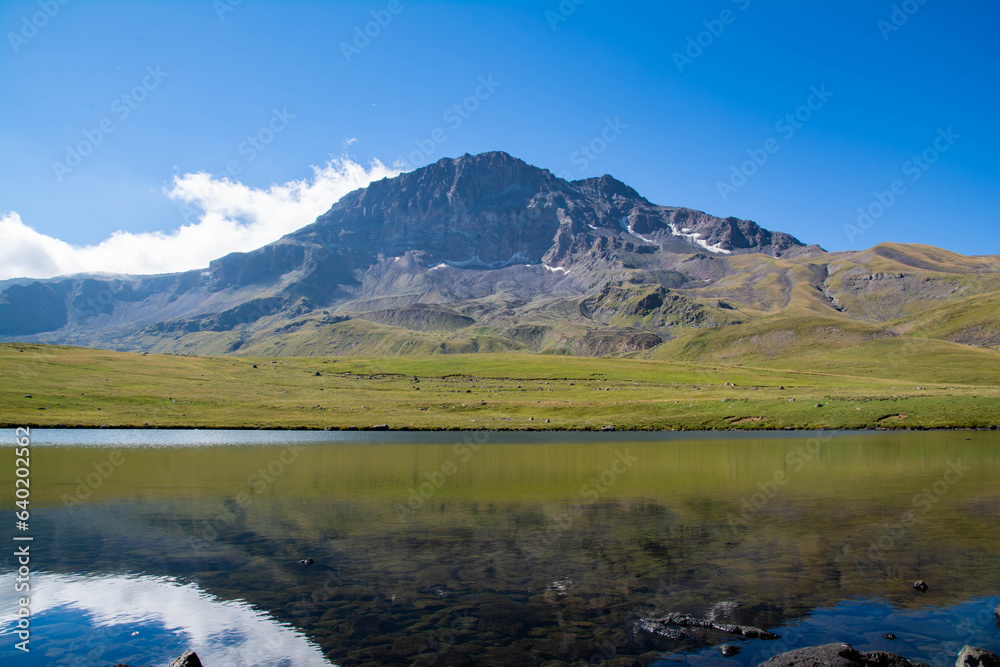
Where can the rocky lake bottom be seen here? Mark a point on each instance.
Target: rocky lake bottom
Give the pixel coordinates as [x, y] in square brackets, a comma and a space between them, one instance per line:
[506, 549]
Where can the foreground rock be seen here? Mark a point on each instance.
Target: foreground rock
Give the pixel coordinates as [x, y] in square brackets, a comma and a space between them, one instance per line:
[187, 659]
[838, 655]
[970, 656]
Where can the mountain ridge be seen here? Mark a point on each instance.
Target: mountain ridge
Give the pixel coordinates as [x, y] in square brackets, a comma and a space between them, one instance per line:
[525, 260]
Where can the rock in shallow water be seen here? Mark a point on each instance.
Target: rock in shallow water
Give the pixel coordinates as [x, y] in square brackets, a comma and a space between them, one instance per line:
[970, 656]
[838, 655]
[187, 659]
[728, 650]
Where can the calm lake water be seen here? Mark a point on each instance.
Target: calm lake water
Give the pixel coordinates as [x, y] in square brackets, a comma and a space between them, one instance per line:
[500, 549]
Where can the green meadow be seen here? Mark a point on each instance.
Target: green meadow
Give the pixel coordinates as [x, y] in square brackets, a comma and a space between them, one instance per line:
[883, 384]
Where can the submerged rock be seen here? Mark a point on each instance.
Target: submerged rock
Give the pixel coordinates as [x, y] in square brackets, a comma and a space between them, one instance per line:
[970, 656]
[661, 626]
[838, 655]
[746, 631]
[728, 650]
[661, 630]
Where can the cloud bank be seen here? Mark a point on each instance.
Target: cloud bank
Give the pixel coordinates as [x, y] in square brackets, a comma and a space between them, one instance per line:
[221, 216]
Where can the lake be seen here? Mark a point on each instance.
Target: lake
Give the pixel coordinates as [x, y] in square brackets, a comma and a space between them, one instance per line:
[490, 548]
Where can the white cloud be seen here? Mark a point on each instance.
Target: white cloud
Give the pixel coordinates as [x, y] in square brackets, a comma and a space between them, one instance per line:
[352, 140]
[225, 216]
[221, 632]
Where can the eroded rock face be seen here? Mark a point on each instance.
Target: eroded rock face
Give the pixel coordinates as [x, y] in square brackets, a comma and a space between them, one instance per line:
[492, 209]
[484, 210]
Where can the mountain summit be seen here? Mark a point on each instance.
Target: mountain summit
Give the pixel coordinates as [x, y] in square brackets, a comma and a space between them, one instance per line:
[476, 253]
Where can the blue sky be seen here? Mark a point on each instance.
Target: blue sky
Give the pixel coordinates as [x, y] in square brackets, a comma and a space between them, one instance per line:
[227, 114]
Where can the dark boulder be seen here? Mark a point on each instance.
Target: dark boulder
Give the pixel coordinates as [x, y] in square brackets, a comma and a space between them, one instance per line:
[838, 655]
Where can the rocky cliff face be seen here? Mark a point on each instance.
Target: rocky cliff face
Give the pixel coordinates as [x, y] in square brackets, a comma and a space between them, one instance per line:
[486, 236]
[492, 210]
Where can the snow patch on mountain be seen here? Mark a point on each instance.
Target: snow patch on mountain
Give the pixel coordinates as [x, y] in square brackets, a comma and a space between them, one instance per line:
[627, 226]
[696, 238]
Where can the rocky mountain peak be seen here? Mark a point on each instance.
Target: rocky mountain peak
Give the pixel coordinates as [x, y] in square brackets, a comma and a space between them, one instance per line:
[607, 186]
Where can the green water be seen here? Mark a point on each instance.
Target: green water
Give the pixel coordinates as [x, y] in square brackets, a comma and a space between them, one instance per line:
[466, 549]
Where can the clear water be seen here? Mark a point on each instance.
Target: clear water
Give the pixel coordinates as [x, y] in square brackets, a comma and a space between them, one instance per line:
[500, 549]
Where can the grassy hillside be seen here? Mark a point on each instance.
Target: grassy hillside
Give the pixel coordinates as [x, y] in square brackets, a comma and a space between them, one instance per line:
[881, 383]
[893, 336]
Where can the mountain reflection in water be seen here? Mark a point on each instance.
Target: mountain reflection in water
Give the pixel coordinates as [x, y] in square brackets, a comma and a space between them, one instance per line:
[514, 549]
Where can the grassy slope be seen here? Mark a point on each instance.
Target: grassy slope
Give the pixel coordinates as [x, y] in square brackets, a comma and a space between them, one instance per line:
[86, 387]
[843, 299]
[890, 357]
